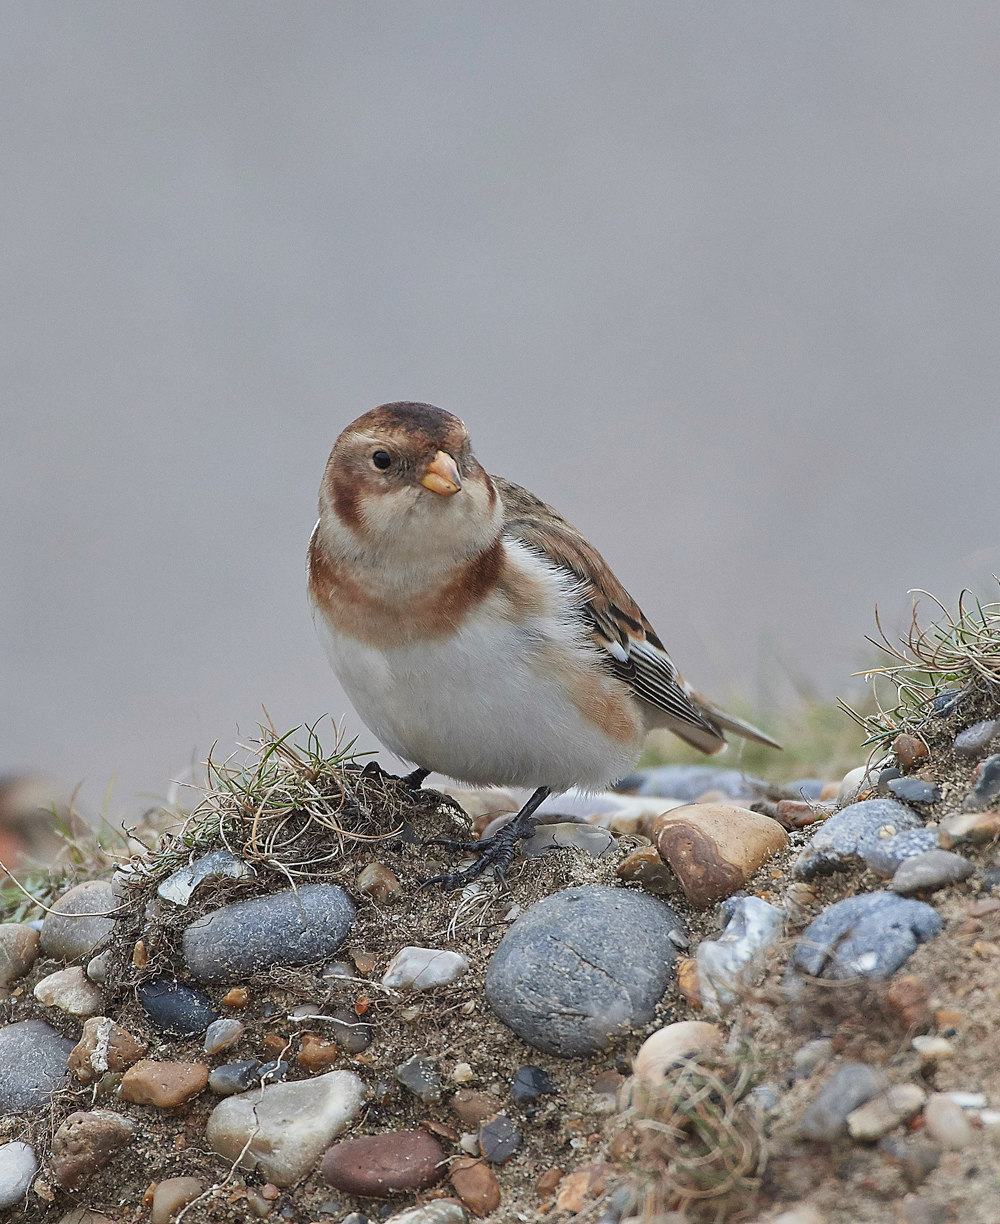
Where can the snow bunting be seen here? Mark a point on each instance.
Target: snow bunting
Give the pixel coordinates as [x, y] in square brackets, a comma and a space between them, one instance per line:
[477, 633]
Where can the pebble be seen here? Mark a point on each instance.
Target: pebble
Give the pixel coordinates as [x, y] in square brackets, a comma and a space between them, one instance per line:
[581, 963]
[317, 1054]
[179, 886]
[281, 928]
[913, 790]
[929, 871]
[968, 1100]
[971, 827]
[97, 969]
[714, 848]
[350, 1033]
[884, 1112]
[471, 1108]
[987, 788]
[669, 1046]
[588, 1181]
[441, 1212]
[163, 1083]
[808, 1057]
[851, 834]
[32, 1065]
[851, 784]
[687, 782]
[71, 991]
[808, 788]
[731, 963]
[375, 1166]
[462, 1073]
[288, 1126]
[171, 1195]
[18, 1166]
[70, 938]
[221, 1034]
[909, 750]
[235, 1077]
[87, 1142]
[945, 702]
[851, 1086]
[378, 882]
[424, 968]
[931, 1049]
[18, 951]
[475, 1184]
[885, 856]
[177, 1008]
[596, 841]
[645, 868]
[908, 1000]
[103, 1047]
[421, 1076]
[974, 740]
[530, 1082]
[499, 1139]
[917, 1158]
[869, 935]
[947, 1124]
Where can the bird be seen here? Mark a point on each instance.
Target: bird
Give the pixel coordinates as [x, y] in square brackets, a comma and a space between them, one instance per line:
[477, 633]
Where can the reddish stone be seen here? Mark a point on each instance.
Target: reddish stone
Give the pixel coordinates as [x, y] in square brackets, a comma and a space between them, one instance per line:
[476, 1185]
[474, 1107]
[163, 1083]
[375, 1166]
[317, 1053]
[85, 1143]
[545, 1187]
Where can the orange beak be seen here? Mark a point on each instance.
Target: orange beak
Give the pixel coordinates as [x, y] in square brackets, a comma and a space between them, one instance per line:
[442, 475]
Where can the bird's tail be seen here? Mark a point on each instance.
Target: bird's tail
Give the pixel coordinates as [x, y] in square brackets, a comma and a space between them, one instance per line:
[729, 722]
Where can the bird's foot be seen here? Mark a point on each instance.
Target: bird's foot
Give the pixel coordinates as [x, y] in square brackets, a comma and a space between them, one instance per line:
[497, 851]
[413, 781]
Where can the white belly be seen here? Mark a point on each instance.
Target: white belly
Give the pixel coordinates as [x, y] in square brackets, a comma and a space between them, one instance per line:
[475, 708]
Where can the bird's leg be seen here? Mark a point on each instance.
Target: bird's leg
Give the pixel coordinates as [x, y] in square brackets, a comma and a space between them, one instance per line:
[497, 851]
[415, 779]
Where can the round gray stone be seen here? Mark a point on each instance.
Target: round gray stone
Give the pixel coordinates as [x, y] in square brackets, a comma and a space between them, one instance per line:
[885, 856]
[579, 965]
[32, 1065]
[851, 1086]
[72, 937]
[18, 1166]
[930, 871]
[851, 835]
[282, 928]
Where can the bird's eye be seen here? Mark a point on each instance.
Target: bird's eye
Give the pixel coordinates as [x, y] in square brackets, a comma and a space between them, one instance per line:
[382, 460]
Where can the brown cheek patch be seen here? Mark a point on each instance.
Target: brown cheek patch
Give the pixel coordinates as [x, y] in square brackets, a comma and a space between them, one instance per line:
[354, 611]
[345, 493]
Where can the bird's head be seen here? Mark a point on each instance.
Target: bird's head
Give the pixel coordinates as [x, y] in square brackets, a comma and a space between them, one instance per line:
[402, 483]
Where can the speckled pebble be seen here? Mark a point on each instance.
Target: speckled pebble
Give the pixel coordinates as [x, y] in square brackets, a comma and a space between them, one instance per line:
[869, 935]
[499, 1139]
[32, 1065]
[421, 1076]
[165, 1084]
[18, 1165]
[86, 1142]
[442, 1212]
[930, 871]
[885, 855]
[850, 1087]
[375, 1166]
[851, 834]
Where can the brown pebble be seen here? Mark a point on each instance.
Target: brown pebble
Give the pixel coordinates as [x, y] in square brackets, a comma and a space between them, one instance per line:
[586, 1182]
[687, 980]
[623, 1145]
[375, 1166]
[317, 1053]
[982, 908]
[103, 1047]
[439, 1128]
[793, 813]
[907, 999]
[171, 1195]
[986, 948]
[545, 1187]
[239, 996]
[714, 848]
[645, 868]
[830, 791]
[364, 962]
[274, 1043]
[164, 1084]
[270, 1191]
[379, 883]
[139, 954]
[473, 1107]
[946, 1018]
[475, 1184]
[909, 750]
[18, 951]
[608, 1083]
[86, 1142]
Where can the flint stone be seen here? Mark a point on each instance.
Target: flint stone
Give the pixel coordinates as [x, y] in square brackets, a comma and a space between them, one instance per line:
[288, 1125]
[578, 965]
[852, 834]
[887, 854]
[441, 1212]
[375, 1166]
[177, 1008]
[18, 951]
[282, 928]
[714, 848]
[850, 1087]
[103, 1047]
[912, 790]
[869, 935]
[731, 963]
[32, 1065]
[930, 871]
[235, 1077]
[71, 938]
[597, 842]
[974, 740]
[179, 886]
[18, 1166]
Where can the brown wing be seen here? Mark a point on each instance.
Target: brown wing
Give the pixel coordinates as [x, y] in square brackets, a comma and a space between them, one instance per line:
[635, 654]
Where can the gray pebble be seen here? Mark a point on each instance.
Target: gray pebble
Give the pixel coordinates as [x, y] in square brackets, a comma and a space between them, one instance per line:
[72, 938]
[688, 782]
[176, 1008]
[929, 871]
[851, 834]
[885, 856]
[945, 702]
[870, 935]
[222, 1033]
[916, 1157]
[808, 1057]
[987, 789]
[234, 1077]
[807, 788]
[421, 1076]
[18, 1166]
[350, 1033]
[974, 740]
[282, 928]
[499, 1139]
[580, 964]
[912, 790]
[32, 1065]
[851, 1086]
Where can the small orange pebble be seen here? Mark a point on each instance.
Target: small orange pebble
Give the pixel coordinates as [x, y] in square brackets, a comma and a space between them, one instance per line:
[439, 1128]
[270, 1191]
[275, 1042]
[830, 791]
[364, 962]
[917, 1122]
[947, 1018]
[239, 996]
[687, 980]
[546, 1184]
[909, 750]
[361, 1005]
[776, 875]
[180, 1142]
[366, 1057]
[139, 954]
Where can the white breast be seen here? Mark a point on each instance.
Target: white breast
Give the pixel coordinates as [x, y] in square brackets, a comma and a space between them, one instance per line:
[486, 705]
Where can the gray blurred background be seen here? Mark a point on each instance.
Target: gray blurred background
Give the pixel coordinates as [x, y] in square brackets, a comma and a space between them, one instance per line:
[719, 281]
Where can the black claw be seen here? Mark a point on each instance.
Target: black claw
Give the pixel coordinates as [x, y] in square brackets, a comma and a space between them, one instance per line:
[496, 852]
[415, 779]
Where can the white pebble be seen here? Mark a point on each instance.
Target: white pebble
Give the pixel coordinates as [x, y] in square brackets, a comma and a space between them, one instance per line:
[946, 1122]
[462, 1074]
[18, 1165]
[422, 968]
[931, 1048]
[470, 1143]
[967, 1100]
